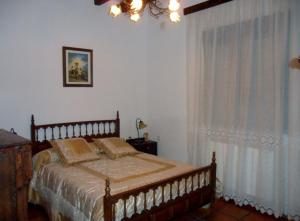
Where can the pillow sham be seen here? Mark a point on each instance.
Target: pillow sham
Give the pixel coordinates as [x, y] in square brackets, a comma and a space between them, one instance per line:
[44, 157]
[74, 150]
[115, 147]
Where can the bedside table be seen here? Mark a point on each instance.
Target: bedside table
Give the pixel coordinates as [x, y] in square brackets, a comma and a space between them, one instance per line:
[144, 146]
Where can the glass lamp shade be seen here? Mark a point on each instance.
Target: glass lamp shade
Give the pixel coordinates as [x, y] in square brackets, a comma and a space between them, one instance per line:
[139, 125]
[115, 10]
[135, 17]
[142, 125]
[174, 5]
[136, 5]
[174, 17]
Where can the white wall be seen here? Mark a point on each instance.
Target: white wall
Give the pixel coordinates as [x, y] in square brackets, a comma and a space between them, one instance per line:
[166, 88]
[139, 69]
[167, 85]
[32, 34]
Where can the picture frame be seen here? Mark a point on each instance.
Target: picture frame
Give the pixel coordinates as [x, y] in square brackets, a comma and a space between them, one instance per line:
[77, 67]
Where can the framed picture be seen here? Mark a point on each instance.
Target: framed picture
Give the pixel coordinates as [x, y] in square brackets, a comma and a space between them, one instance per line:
[77, 67]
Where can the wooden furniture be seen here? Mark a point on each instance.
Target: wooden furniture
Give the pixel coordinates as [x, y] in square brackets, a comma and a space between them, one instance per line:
[168, 209]
[203, 6]
[41, 134]
[15, 173]
[100, 2]
[140, 144]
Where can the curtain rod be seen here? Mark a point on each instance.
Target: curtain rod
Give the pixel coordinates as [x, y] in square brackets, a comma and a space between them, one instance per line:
[203, 6]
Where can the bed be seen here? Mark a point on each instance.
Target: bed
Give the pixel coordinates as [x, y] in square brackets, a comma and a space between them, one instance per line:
[135, 187]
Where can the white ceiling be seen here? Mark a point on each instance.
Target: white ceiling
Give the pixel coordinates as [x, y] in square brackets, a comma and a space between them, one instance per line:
[187, 3]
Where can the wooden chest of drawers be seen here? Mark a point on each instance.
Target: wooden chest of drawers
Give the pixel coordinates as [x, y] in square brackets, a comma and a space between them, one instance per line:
[15, 174]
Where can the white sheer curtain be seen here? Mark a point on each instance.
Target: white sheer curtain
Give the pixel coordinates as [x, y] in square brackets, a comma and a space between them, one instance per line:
[244, 100]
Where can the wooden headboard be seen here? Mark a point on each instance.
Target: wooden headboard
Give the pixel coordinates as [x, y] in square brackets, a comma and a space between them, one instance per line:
[43, 133]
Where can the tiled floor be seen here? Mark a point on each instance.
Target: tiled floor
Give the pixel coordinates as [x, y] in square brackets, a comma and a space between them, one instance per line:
[246, 213]
[228, 211]
[221, 211]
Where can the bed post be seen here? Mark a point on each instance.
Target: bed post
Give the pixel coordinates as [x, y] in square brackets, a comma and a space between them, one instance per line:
[32, 126]
[107, 202]
[118, 125]
[33, 141]
[213, 169]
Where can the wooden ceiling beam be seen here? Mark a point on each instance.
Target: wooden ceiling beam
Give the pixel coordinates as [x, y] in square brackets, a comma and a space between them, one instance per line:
[100, 2]
[203, 5]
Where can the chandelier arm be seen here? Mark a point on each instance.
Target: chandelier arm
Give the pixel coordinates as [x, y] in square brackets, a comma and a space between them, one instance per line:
[155, 9]
[157, 4]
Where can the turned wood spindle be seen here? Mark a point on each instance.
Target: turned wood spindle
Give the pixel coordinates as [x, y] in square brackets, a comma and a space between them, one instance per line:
[59, 132]
[178, 184]
[171, 192]
[125, 210]
[45, 134]
[213, 176]
[86, 129]
[73, 131]
[135, 207]
[93, 129]
[52, 133]
[107, 187]
[192, 182]
[107, 202]
[163, 194]
[32, 127]
[145, 201]
[154, 197]
[37, 134]
[213, 160]
[67, 127]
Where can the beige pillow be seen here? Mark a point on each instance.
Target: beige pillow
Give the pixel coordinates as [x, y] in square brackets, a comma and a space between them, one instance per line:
[74, 150]
[44, 157]
[115, 147]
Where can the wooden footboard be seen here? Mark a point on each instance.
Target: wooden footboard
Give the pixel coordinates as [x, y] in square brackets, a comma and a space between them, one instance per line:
[198, 190]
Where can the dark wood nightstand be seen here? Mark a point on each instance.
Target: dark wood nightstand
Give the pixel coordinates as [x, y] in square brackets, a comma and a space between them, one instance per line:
[140, 144]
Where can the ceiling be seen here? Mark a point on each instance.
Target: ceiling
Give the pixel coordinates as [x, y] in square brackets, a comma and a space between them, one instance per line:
[187, 3]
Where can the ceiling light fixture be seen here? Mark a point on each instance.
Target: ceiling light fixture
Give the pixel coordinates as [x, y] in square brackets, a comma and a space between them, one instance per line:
[134, 8]
[115, 10]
